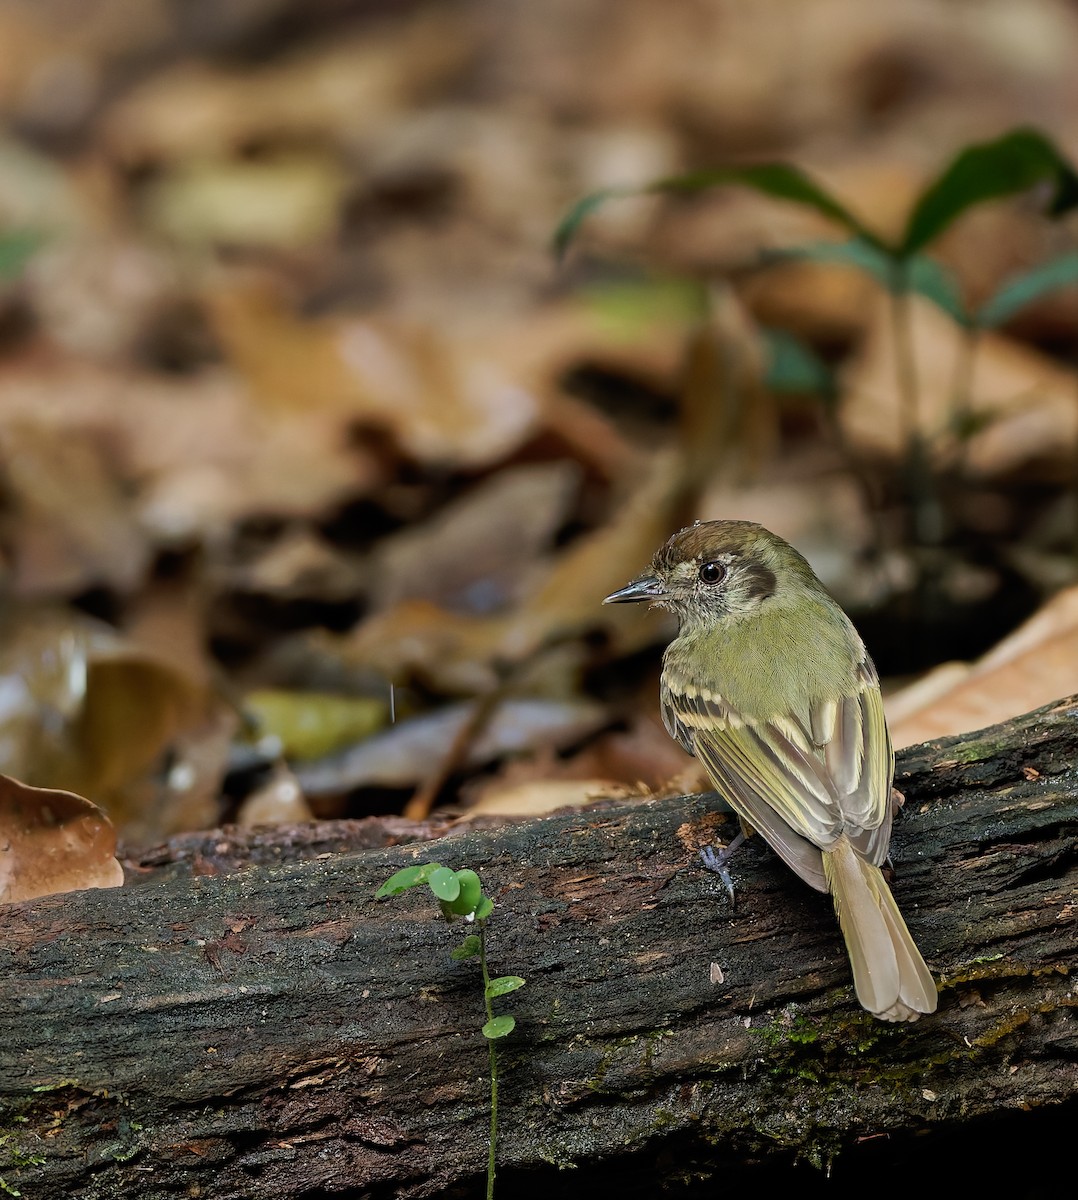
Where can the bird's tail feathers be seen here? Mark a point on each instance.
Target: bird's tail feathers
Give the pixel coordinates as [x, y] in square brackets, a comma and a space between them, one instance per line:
[889, 974]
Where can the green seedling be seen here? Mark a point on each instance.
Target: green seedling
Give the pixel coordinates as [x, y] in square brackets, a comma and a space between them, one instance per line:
[460, 896]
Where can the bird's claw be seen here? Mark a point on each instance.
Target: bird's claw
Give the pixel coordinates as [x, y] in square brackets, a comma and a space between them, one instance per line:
[716, 859]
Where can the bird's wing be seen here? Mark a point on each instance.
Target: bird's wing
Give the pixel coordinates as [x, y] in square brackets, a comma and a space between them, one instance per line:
[800, 783]
[861, 762]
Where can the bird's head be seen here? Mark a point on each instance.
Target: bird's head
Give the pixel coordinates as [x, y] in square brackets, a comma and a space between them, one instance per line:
[716, 570]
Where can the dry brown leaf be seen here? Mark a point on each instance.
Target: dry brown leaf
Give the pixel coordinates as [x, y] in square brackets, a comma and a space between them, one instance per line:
[189, 796]
[723, 392]
[450, 652]
[1028, 402]
[98, 293]
[634, 764]
[167, 619]
[72, 527]
[198, 452]
[444, 401]
[814, 503]
[52, 841]
[458, 653]
[340, 90]
[714, 413]
[822, 303]
[479, 552]
[1035, 665]
[279, 801]
[298, 565]
[538, 797]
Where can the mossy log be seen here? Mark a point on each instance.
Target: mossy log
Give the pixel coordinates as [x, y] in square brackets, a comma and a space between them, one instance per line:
[243, 1019]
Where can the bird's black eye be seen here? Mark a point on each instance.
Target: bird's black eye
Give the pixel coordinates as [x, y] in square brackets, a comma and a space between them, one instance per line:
[712, 573]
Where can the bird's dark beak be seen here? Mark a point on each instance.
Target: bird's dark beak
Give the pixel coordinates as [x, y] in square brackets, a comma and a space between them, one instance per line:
[647, 587]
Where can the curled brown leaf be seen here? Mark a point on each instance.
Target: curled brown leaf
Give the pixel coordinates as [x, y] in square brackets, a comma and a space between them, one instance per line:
[52, 841]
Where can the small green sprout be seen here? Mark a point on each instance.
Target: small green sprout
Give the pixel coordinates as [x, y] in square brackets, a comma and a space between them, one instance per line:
[460, 896]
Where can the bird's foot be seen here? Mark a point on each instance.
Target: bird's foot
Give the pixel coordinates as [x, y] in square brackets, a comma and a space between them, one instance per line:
[716, 860]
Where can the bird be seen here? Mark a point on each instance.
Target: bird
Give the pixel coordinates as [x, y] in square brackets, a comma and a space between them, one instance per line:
[770, 686]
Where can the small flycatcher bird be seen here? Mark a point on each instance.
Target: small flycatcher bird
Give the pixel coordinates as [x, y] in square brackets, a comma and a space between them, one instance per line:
[770, 686]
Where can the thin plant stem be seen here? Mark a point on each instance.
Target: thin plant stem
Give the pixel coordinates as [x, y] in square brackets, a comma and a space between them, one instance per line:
[861, 475]
[905, 362]
[962, 394]
[1074, 500]
[926, 519]
[492, 1152]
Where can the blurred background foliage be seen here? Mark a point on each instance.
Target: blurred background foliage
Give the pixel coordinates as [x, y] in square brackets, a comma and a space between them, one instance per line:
[316, 461]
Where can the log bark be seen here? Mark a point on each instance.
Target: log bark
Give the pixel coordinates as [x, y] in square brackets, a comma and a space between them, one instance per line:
[243, 1019]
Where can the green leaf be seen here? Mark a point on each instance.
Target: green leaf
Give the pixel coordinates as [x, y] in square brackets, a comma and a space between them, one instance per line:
[932, 280]
[503, 985]
[866, 256]
[793, 366]
[780, 181]
[1023, 289]
[471, 892]
[578, 214]
[16, 250]
[469, 948]
[499, 1027]
[628, 308]
[409, 877]
[484, 909]
[444, 884]
[309, 725]
[916, 274]
[1012, 163]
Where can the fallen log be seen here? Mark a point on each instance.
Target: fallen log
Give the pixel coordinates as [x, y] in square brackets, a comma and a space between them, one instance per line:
[243, 1019]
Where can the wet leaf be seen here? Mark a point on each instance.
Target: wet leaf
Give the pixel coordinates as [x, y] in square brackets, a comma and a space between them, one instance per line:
[134, 706]
[407, 877]
[444, 884]
[470, 894]
[52, 841]
[499, 1027]
[503, 985]
[81, 707]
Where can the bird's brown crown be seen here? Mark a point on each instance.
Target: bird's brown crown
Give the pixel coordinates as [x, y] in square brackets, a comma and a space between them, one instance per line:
[707, 540]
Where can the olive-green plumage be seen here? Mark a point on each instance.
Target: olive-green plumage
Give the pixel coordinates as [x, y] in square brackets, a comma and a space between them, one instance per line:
[770, 686]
